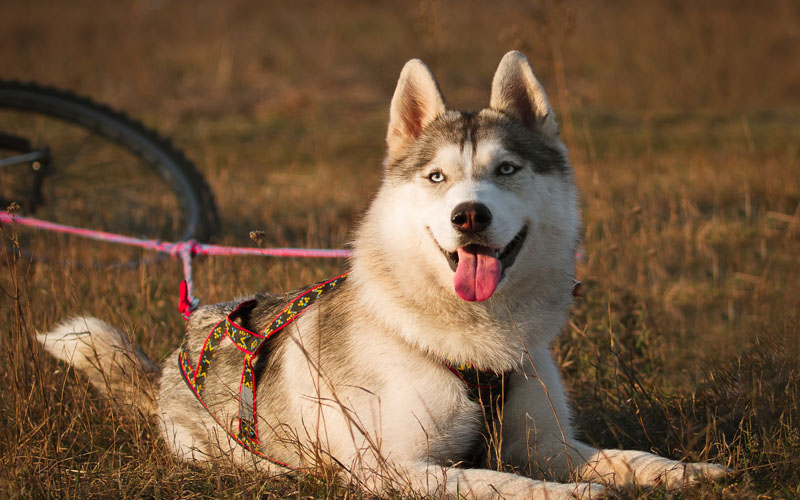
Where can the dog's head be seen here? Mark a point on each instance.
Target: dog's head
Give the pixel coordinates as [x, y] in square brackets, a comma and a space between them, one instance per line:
[480, 202]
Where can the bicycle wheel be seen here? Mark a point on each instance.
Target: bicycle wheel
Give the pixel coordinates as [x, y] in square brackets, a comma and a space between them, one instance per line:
[69, 160]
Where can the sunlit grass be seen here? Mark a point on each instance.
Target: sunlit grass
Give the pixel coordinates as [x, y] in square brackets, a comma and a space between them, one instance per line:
[687, 341]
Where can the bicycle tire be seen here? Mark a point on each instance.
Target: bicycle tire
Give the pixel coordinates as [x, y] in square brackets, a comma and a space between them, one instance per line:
[144, 149]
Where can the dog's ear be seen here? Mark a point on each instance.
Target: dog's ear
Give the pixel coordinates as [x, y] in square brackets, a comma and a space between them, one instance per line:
[417, 101]
[515, 90]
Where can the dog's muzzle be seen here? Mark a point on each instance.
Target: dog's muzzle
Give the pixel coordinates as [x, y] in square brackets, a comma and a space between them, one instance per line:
[507, 255]
[479, 268]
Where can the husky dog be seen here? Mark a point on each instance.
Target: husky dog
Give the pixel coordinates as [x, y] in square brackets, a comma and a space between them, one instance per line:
[465, 257]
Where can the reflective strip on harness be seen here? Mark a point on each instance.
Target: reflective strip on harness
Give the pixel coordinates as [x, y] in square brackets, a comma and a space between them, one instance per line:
[249, 343]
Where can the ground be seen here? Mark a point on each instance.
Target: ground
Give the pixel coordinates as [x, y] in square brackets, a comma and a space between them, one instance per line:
[682, 120]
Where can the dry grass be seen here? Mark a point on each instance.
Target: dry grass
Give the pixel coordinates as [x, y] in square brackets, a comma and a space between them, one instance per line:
[683, 121]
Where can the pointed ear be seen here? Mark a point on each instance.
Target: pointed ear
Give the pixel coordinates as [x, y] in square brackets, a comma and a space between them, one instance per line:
[515, 90]
[416, 102]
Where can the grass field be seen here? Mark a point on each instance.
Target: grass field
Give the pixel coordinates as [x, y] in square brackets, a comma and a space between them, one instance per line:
[683, 122]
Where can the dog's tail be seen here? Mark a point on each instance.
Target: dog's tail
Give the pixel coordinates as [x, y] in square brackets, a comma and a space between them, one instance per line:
[115, 365]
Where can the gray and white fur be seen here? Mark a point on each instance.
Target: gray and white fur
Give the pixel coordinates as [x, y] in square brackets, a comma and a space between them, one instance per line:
[466, 255]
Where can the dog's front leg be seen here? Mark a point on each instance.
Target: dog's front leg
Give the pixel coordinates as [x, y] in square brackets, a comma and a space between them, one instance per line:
[537, 434]
[453, 482]
[639, 467]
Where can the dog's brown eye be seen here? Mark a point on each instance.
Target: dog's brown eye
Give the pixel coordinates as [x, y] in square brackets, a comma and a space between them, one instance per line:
[436, 177]
[507, 168]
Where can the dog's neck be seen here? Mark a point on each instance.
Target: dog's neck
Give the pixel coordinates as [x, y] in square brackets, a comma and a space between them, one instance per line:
[491, 335]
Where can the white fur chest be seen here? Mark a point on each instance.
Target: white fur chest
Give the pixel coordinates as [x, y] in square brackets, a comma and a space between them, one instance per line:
[389, 399]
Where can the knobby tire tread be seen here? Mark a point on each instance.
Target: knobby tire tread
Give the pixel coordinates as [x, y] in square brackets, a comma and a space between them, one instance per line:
[123, 129]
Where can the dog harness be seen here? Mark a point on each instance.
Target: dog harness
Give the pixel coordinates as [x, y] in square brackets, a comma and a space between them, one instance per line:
[249, 343]
[483, 387]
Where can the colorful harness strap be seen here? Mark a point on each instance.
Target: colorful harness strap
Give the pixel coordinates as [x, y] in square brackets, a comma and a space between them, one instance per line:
[249, 343]
[484, 387]
[488, 389]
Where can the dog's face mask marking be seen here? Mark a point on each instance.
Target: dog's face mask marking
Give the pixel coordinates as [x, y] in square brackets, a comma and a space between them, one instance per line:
[475, 185]
[475, 194]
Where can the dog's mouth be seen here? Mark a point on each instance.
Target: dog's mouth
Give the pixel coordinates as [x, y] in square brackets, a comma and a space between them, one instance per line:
[506, 257]
[478, 268]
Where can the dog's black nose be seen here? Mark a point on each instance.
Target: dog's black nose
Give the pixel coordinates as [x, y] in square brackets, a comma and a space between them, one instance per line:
[471, 217]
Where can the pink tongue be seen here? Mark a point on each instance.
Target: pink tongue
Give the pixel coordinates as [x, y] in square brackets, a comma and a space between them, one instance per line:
[477, 274]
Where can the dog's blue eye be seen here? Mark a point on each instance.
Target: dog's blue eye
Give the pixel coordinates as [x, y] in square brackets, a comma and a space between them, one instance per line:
[507, 168]
[436, 177]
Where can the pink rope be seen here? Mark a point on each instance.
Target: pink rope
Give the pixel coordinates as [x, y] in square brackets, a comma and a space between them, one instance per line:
[172, 248]
[183, 250]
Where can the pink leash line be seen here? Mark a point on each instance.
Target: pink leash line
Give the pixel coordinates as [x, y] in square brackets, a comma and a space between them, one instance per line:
[183, 250]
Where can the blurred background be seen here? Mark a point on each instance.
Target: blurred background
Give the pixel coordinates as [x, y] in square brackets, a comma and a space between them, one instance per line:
[682, 120]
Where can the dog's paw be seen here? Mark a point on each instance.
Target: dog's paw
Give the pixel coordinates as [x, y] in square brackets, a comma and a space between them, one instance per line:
[687, 474]
[706, 470]
[589, 491]
[622, 468]
[570, 491]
